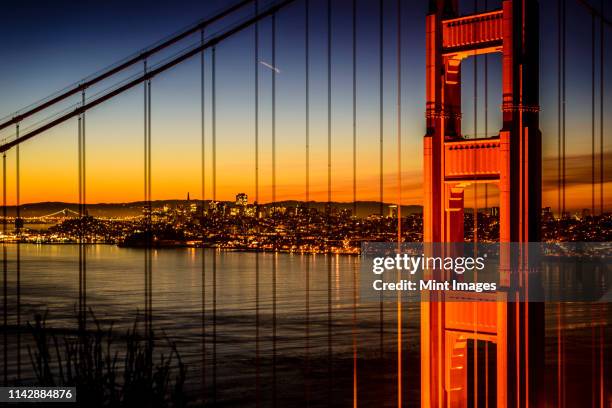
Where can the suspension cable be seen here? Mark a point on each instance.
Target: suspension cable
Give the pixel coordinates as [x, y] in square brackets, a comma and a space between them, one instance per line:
[399, 123]
[82, 218]
[164, 66]
[399, 195]
[117, 67]
[601, 182]
[380, 66]
[203, 119]
[18, 226]
[148, 209]
[274, 299]
[601, 111]
[150, 254]
[354, 8]
[273, 72]
[256, 134]
[329, 207]
[380, 102]
[559, 68]
[202, 209]
[475, 220]
[592, 114]
[5, 270]
[214, 197]
[214, 124]
[81, 221]
[256, 85]
[486, 112]
[354, 43]
[329, 112]
[564, 168]
[307, 194]
[307, 91]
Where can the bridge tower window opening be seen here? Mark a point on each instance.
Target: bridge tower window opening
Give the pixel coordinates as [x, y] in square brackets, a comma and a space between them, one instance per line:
[486, 120]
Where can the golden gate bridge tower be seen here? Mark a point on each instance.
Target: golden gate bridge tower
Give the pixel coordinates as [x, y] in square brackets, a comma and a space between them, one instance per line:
[512, 160]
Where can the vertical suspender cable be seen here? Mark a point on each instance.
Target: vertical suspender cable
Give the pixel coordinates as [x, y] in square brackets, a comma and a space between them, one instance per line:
[380, 103]
[329, 209]
[149, 204]
[561, 170]
[355, 382]
[84, 180]
[329, 109]
[380, 141]
[307, 136]
[256, 85]
[214, 197]
[83, 201]
[4, 269]
[486, 198]
[256, 131]
[559, 43]
[475, 220]
[148, 209]
[307, 91]
[202, 209]
[486, 113]
[354, 108]
[593, 113]
[82, 313]
[84, 158]
[274, 112]
[601, 182]
[203, 119]
[18, 223]
[146, 215]
[149, 198]
[146, 272]
[399, 195]
[214, 123]
[601, 110]
[274, 383]
[150, 255]
[563, 62]
[475, 137]
[307, 193]
[81, 221]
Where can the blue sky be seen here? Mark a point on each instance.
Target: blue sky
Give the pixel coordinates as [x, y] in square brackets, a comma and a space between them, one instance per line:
[49, 45]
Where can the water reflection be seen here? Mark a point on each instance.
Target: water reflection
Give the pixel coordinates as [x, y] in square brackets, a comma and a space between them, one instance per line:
[258, 329]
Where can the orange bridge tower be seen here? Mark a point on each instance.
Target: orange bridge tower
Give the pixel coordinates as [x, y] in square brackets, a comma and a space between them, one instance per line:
[512, 160]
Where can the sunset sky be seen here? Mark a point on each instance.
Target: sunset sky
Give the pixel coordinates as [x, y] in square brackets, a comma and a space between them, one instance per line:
[49, 45]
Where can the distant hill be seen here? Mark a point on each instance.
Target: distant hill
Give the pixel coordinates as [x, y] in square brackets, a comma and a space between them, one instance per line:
[364, 208]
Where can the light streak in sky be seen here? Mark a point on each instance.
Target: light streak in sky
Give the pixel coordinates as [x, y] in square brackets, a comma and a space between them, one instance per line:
[272, 67]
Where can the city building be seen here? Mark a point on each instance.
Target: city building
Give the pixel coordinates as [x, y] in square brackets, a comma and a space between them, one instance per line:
[242, 199]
